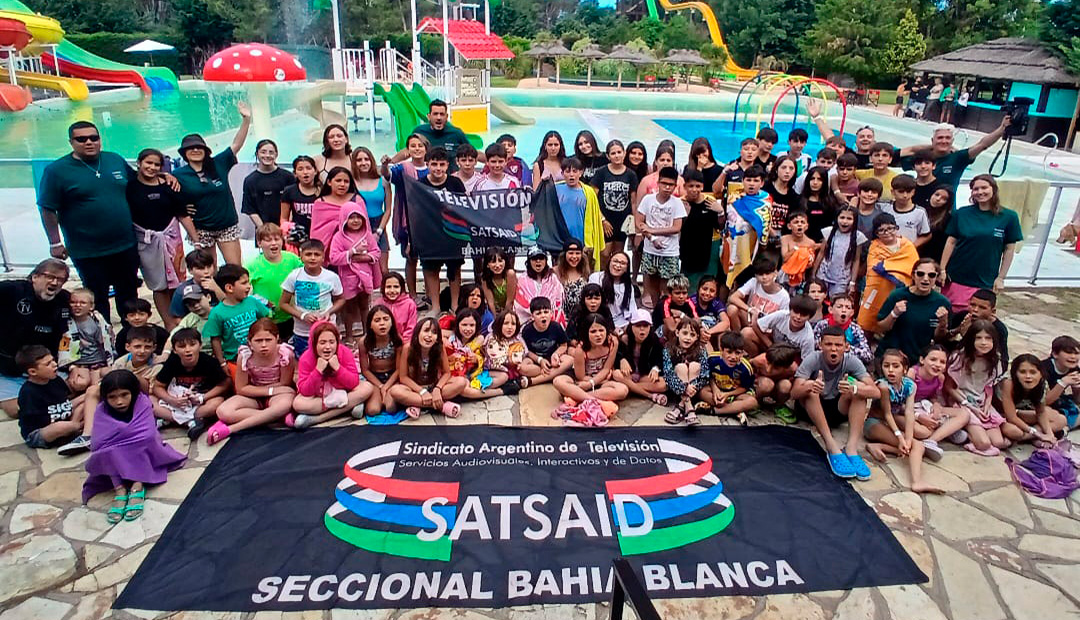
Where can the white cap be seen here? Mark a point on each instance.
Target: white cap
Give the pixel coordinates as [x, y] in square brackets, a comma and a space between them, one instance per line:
[640, 315]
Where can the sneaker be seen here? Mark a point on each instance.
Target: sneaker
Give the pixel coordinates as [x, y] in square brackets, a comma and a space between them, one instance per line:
[859, 466]
[841, 466]
[933, 450]
[959, 438]
[358, 412]
[195, 429]
[424, 303]
[75, 446]
[303, 421]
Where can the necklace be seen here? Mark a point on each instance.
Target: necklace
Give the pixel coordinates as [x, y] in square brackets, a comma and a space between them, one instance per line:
[97, 171]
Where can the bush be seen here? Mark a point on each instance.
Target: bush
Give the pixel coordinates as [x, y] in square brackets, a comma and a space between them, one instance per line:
[111, 45]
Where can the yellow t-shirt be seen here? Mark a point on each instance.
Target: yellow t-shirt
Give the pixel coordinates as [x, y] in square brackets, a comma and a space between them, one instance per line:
[886, 180]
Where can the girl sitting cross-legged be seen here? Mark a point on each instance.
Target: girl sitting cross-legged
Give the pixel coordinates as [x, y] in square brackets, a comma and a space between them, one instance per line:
[328, 382]
[594, 361]
[424, 379]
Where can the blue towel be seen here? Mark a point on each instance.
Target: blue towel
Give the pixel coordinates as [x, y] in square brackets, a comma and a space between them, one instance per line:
[9, 387]
[387, 419]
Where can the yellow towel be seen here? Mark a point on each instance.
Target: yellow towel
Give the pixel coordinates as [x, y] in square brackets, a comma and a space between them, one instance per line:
[594, 225]
[1024, 195]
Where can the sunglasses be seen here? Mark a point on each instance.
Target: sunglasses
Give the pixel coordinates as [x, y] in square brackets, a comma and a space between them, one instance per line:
[84, 139]
[925, 274]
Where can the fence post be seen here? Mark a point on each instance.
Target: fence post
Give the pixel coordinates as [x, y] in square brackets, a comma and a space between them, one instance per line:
[1046, 235]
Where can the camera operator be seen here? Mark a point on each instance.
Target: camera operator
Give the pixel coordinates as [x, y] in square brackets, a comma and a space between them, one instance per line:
[949, 163]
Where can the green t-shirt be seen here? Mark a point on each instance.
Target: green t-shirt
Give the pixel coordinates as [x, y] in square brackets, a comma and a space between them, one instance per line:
[266, 279]
[211, 194]
[947, 169]
[231, 323]
[448, 137]
[90, 201]
[981, 238]
[915, 327]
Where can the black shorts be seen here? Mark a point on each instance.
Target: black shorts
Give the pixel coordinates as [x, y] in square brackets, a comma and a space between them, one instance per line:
[453, 267]
[831, 407]
[617, 219]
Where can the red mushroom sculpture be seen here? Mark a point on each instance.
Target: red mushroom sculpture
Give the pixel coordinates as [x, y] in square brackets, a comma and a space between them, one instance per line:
[13, 37]
[256, 65]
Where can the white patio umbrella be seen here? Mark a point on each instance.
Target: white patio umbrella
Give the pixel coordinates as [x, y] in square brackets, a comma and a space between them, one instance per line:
[149, 46]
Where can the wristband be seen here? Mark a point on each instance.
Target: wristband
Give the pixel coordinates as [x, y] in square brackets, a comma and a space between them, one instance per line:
[270, 392]
[1061, 382]
[423, 391]
[898, 433]
[58, 244]
[1031, 429]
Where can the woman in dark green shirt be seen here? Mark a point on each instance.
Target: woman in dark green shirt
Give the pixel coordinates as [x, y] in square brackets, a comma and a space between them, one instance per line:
[204, 182]
[981, 244]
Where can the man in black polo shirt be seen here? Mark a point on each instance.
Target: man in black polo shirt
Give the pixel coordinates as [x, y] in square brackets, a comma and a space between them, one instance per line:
[33, 311]
[84, 193]
[440, 133]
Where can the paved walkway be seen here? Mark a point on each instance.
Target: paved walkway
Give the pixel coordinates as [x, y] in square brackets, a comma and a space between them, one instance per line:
[992, 552]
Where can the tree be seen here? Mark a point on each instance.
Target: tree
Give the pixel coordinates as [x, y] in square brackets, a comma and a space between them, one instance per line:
[953, 24]
[252, 20]
[909, 46]
[95, 15]
[765, 27]
[1060, 29]
[850, 37]
[203, 31]
[515, 18]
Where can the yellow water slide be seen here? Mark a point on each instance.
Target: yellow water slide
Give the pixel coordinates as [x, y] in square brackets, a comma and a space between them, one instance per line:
[74, 88]
[44, 30]
[714, 32]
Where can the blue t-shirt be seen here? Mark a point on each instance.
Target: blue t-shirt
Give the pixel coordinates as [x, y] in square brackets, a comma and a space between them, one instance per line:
[572, 204]
[897, 398]
[728, 378]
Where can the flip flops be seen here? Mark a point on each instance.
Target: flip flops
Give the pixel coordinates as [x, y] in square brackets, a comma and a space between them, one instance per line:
[134, 511]
[116, 514]
[217, 432]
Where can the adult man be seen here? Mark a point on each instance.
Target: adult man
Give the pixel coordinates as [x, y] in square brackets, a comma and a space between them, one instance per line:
[85, 194]
[914, 315]
[439, 132]
[33, 311]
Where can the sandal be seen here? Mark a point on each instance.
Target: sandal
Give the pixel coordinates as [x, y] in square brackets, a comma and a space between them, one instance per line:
[218, 432]
[675, 416]
[116, 513]
[743, 419]
[523, 382]
[413, 412]
[134, 511]
[451, 410]
[692, 419]
[786, 415]
[659, 399]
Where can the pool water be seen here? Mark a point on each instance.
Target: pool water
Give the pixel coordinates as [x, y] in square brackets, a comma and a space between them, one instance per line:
[725, 139]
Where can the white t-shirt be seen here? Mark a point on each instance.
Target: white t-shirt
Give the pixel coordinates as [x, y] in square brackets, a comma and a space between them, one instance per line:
[912, 224]
[661, 215]
[767, 303]
[619, 316]
[472, 182]
[312, 294]
[802, 163]
[779, 325]
[487, 183]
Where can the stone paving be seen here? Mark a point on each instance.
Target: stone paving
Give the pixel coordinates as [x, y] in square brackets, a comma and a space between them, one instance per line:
[991, 551]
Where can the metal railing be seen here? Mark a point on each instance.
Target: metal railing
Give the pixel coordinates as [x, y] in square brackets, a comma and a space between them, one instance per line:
[626, 589]
[355, 67]
[1057, 188]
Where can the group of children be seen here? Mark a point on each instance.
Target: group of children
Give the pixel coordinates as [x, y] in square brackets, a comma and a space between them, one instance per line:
[756, 276]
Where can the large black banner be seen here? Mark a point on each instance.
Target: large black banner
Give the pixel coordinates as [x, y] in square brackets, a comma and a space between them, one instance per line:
[392, 517]
[444, 225]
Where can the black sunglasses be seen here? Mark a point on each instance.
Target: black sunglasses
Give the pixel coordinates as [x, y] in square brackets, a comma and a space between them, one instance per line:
[925, 274]
[82, 139]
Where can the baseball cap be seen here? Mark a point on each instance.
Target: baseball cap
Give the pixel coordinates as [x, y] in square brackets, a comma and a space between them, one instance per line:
[536, 251]
[640, 315]
[191, 292]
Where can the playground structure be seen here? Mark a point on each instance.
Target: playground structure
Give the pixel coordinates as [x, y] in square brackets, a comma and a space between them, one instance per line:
[800, 85]
[47, 50]
[717, 37]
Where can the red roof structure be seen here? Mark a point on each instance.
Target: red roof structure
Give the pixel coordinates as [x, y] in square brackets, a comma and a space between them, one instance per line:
[468, 38]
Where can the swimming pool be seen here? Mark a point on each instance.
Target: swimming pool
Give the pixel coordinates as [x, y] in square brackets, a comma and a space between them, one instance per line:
[725, 139]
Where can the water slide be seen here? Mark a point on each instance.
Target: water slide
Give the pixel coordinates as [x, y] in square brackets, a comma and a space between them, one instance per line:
[409, 109]
[507, 114]
[14, 98]
[421, 102]
[75, 61]
[714, 31]
[74, 88]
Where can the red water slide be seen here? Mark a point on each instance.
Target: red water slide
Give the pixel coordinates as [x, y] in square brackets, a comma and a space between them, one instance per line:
[90, 73]
[13, 35]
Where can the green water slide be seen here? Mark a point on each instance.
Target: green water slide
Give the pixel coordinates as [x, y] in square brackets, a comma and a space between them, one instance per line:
[421, 101]
[409, 108]
[157, 78]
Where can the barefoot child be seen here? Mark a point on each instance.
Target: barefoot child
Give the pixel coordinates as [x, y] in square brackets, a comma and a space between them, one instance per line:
[775, 372]
[379, 358]
[546, 344]
[89, 342]
[686, 370]
[264, 383]
[128, 452]
[897, 400]
[731, 390]
[1023, 402]
[355, 252]
[424, 379]
[934, 422]
[641, 359]
[973, 372]
[190, 385]
[327, 380]
[594, 361]
[49, 413]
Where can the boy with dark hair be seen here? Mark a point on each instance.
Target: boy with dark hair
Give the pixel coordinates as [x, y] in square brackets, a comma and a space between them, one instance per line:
[228, 323]
[925, 181]
[831, 386]
[310, 294]
[574, 197]
[659, 219]
[673, 306]
[746, 224]
[845, 185]
[912, 219]
[766, 139]
[190, 385]
[495, 176]
[791, 326]
[546, 343]
[870, 206]
[760, 296]
[201, 265]
[466, 164]
[515, 166]
[137, 314]
[775, 372]
[140, 358]
[881, 156]
[982, 306]
[697, 250]
[796, 141]
[1062, 371]
[731, 389]
[49, 412]
[733, 172]
[438, 163]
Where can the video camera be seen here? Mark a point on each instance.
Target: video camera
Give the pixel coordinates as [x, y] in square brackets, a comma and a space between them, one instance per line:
[1018, 110]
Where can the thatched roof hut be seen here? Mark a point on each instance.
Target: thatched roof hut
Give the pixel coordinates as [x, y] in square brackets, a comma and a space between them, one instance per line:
[1011, 59]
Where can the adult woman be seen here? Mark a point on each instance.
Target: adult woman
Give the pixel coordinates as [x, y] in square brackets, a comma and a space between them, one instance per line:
[588, 153]
[619, 293]
[548, 164]
[158, 212]
[337, 193]
[615, 187]
[981, 244]
[335, 150]
[376, 194]
[539, 281]
[702, 160]
[573, 270]
[637, 159]
[265, 185]
[204, 181]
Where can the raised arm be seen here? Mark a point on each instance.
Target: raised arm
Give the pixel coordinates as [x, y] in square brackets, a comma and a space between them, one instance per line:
[989, 139]
[242, 132]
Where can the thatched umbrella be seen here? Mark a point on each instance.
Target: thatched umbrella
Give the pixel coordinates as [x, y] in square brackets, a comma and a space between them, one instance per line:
[553, 49]
[687, 58]
[622, 53]
[589, 53]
